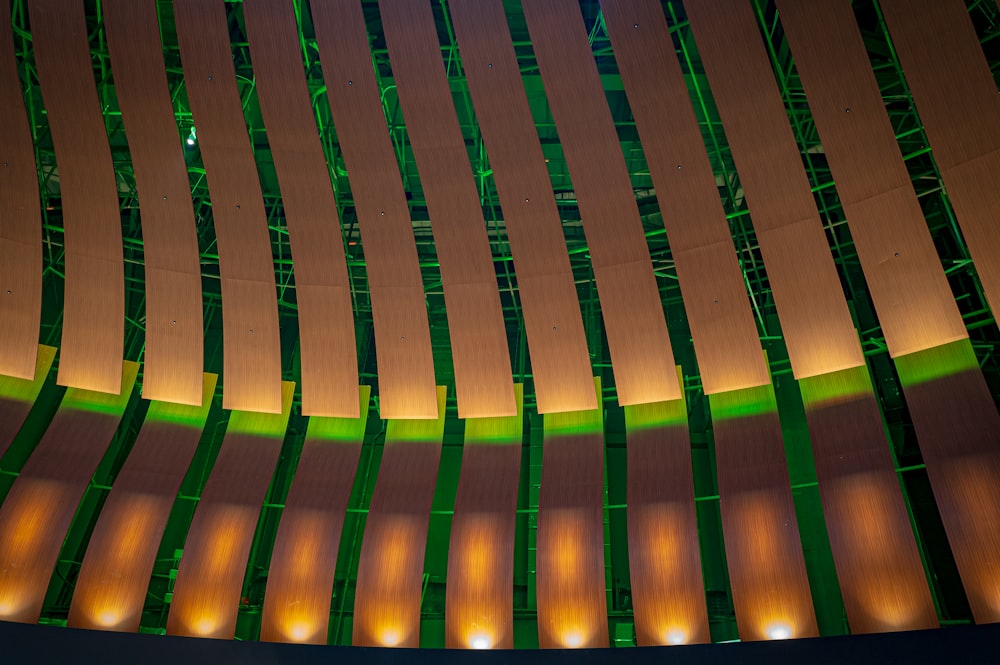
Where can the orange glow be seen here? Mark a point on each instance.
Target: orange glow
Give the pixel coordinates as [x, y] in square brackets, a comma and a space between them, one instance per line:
[389, 637]
[778, 631]
[674, 636]
[385, 615]
[572, 639]
[25, 523]
[480, 641]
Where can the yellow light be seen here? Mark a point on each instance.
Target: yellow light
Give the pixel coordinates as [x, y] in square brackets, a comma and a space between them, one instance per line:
[298, 632]
[204, 626]
[480, 641]
[107, 618]
[675, 636]
[573, 640]
[390, 637]
[779, 631]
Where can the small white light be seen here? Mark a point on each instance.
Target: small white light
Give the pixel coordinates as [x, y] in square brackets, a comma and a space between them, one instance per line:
[676, 637]
[573, 640]
[190, 141]
[779, 632]
[480, 642]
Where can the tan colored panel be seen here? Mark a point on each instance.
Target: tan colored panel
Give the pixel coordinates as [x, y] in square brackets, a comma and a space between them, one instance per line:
[92, 345]
[251, 342]
[630, 300]
[174, 337]
[322, 289]
[402, 335]
[21, 225]
[210, 575]
[815, 320]
[722, 326]
[17, 396]
[111, 588]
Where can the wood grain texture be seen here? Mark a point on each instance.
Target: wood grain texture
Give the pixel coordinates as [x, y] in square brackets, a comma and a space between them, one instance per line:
[882, 579]
[210, 575]
[767, 571]
[479, 602]
[20, 222]
[322, 289]
[911, 294]
[110, 590]
[816, 323]
[391, 563]
[630, 299]
[715, 298]
[172, 361]
[956, 96]
[557, 343]
[402, 335]
[569, 560]
[483, 382]
[40, 506]
[251, 372]
[304, 559]
[92, 346]
[17, 396]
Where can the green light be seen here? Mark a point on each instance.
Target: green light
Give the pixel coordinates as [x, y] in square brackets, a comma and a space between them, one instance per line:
[640, 417]
[342, 430]
[500, 430]
[26, 390]
[183, 414]
[835, 387]
[936, 363]
[576, 422]
[264, 424]
[415, 430]
[78, 399]
[743, 403]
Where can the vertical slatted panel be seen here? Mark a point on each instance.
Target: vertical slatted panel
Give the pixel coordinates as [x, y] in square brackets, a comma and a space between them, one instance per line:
[715, 298]
[21, 230]
[479, 606]
[483, 383]
[630, 300]
[763, 551]
[300, 579]
[251, 343]
[38, 510]
[560, 361]
[322, 289]
[402, 335]
[111, 588]
[174, 337]
[572, 600]
[956, 96]
[210, 576]
[92, 346]
[815, 320]
[664, 559]
[17, 396]
[391, 564]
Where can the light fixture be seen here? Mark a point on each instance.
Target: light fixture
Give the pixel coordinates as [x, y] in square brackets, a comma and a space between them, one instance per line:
[192, 136]
[779, 631]
[479, 642]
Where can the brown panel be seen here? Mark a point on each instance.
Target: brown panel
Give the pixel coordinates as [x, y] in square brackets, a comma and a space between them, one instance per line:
[815, 320]
[763, 551]
[304, 560]
[111, 589]
[92, 346]
[881, 576]
[663, 555]
[560, 360]
[38, 509]
[17, 396]
[402, 335]
[483, 383]
[630, 300]
[251, 344]
[479, 606]
[322, 289]
[569, 560]
[210, 575]
[722, 326]
[956, 97]
[391, 564]
[173, 362]
[21, 230]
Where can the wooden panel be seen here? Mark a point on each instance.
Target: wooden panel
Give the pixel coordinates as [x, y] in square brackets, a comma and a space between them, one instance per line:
[111, 588]
[17, 396]
[39, 508]
[300, 579]
[630, 300]
[322, 289]
[560, 360]
[763, 552]
[92, 346]
[210, 575]
[173, 362]
[479, 606]
[911, 294]
[483, 383]
[722, 326]
[958, 429]
[881, 576]
[569, 563]
[402, 335]
[21, 230]
[391, 565]
[956, 96]
[664, 560]
[251, 344]
[815, 320]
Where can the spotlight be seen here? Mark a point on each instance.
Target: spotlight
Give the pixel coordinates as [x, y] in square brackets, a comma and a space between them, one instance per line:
[779, 632]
